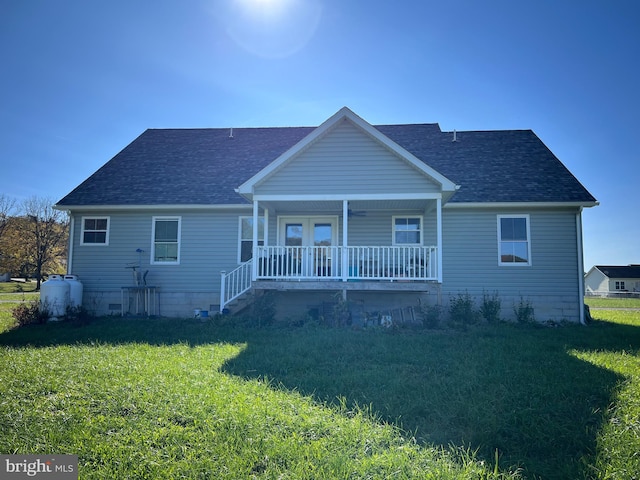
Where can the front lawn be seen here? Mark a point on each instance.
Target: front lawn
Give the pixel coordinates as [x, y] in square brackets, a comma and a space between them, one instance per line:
[184, 399]
[11, 295]
[17, 287]
[612, 302]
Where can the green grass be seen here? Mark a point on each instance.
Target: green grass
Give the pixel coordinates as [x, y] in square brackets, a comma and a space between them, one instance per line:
[11, 295]
[16, 287]
[602, 302]
[183, 399]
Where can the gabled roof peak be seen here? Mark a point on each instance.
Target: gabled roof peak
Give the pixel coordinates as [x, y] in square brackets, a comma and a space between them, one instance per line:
[346, 114]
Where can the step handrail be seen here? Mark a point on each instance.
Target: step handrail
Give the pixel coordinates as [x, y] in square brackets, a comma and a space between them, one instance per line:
[235, 283]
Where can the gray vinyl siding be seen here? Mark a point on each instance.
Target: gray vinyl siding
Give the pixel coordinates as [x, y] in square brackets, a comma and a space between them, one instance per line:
[376, 228]
[470, 260]
[208, 245]
[373, 229]
[346, 161]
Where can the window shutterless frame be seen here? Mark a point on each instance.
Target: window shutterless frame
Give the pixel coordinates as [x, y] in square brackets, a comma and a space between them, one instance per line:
[407, 229]
[245, 237]
[514, 240]
[95, 231]
[165, 240]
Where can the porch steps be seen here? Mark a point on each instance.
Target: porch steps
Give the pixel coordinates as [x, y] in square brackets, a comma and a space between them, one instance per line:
[240, 303]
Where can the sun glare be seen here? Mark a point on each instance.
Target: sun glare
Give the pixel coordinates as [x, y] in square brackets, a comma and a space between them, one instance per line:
[273, 28]
[266, 9]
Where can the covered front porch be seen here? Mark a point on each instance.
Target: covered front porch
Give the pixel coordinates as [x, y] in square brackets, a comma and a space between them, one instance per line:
[344, 205]
[319, 244]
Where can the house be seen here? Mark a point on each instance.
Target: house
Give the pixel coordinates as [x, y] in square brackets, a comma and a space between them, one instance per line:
[186, 219]
[612, 280]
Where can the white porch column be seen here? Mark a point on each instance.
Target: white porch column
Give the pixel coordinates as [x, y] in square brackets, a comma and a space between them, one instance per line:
[439, 236]
[345, 240]
[254, 248]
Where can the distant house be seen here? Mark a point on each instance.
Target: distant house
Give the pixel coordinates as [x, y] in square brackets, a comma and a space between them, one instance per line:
[612, 279]
[386, 215]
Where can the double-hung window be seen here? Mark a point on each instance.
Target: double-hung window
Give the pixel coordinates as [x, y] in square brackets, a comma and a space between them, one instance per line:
[245, 248]
[166, 240]
[620, 285]
[407, 230]
[514, 240]
[95, 231]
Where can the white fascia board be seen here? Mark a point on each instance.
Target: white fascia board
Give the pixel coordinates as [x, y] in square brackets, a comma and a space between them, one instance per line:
[445, 183]
[594, 267]
[247, 187]
[353, 196]
[521, 204]
[345, 113]
[100, 208]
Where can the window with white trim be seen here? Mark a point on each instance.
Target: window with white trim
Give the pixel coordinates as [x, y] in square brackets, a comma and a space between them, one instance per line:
[95, 231]
[407, 230]
[245, 244]
[620, 285]
[514, 244]
[165, 244]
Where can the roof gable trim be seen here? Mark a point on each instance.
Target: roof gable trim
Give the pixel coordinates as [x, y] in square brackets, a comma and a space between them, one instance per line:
[345, 113]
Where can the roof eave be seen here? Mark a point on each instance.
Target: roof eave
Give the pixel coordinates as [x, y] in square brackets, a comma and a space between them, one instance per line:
[99, 208]
[522, 204]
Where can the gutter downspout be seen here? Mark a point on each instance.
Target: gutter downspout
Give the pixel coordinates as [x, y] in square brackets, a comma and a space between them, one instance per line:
[72, 230]
[580, 266]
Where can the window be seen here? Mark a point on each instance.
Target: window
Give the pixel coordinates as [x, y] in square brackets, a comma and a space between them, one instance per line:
[620, 285]
[513, 240]
[407, 230]
[166, 240]
[95, 231]
[245, 249]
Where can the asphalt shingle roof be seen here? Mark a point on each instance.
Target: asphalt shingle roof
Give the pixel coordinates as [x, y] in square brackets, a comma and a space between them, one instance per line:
[204, 166]
[616, 271]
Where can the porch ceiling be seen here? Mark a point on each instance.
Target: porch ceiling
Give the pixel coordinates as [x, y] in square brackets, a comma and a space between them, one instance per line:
[334, 207]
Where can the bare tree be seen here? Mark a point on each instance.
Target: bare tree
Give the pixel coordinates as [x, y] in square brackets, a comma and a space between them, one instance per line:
[7, 210]
[45, 233]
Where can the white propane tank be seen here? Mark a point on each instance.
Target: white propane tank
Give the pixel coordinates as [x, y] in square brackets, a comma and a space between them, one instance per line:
[75, 290]
[54, 296]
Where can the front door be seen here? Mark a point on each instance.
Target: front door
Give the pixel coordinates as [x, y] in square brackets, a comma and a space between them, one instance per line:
[312, 243]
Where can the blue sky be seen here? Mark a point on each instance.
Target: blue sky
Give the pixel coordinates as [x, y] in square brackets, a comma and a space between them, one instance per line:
[80, 80]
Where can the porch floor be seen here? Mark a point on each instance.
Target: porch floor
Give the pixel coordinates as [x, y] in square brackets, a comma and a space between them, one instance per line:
[356, 285]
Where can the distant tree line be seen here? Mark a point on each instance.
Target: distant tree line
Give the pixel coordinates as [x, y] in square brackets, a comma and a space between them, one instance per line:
[33, 238]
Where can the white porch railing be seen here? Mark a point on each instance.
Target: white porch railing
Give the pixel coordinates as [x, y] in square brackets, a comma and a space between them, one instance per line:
[391, 263]
[235, 283]
[282, 263]
[369, 263]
